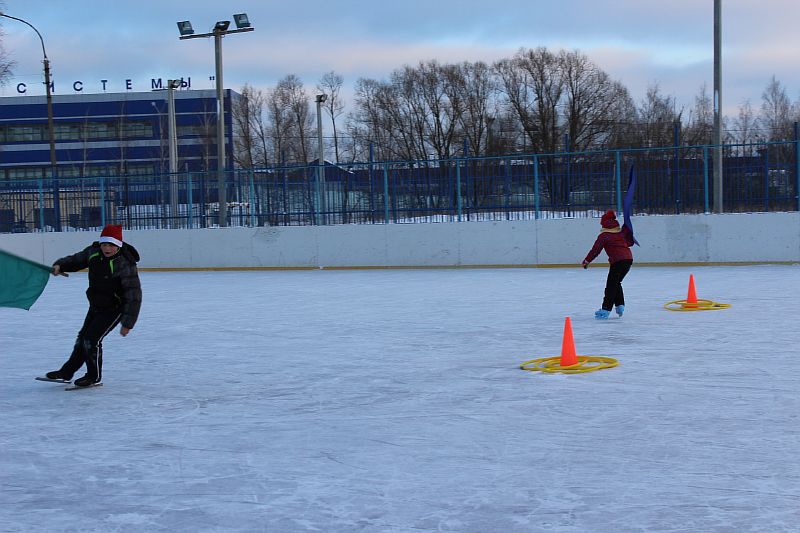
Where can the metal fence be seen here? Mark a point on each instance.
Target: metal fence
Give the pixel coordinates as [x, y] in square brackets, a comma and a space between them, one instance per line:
[758, 177]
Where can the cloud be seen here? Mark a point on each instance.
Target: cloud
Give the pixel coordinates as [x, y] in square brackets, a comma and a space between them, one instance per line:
[637, 43]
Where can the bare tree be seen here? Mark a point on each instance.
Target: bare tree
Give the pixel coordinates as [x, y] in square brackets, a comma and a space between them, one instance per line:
[380, 124]
[292, 113]
[622, 132]
[592, 102]
[388, 119]
[441, 105]
[700, 127]
[476, 89]
[257, 104]
[533, 85]
[776, 108]
[658, 116]
[746, 128]
[245, 141]
[6, 63]
[278, 127]
[289, 120]
[408, 116]
[331, 84]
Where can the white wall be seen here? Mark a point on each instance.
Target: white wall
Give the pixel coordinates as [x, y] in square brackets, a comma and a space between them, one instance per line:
[727, 238]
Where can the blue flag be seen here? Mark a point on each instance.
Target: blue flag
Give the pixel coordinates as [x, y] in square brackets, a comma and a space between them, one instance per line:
[627, 203]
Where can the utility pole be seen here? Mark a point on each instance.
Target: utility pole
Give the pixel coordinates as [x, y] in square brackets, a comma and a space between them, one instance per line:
[321, 98]
[718, 208]
[173, 152]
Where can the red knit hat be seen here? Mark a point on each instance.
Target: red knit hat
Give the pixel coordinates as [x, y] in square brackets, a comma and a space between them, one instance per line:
[609, 220]
[112, 233]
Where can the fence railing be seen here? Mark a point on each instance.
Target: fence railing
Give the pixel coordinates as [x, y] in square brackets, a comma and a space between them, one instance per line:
[757, 177]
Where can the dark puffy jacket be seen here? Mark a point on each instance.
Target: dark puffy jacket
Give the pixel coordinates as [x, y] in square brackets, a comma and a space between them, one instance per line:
[113, 281]
[616, 242]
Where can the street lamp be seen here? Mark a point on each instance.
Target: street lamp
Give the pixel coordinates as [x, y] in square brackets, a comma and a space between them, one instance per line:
[321, 98]
[219, 31]
[53, 173]
[172, 144]
[172, 130]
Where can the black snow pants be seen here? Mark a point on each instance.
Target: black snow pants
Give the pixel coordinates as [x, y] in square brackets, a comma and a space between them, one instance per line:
[88, 347]
[616, 273]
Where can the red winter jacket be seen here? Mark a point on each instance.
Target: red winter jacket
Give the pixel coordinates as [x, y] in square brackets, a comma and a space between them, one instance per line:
[616, 242]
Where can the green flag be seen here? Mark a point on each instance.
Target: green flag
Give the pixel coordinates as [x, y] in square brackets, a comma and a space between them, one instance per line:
[21, 280]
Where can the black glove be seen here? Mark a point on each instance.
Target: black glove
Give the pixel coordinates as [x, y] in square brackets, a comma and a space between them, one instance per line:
[585, 264]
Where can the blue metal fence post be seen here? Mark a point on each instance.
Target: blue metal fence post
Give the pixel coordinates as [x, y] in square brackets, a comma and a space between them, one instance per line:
[317, 197]
[618, 179]
[386, 193]
[797, 162]
[458, 191]
[766, 178]
[56, 199]
[705, 180]
[41, 204]
[536, 214]
[676, 171]
[203, 200]
[102, 202]
[189, 200]
[252, 199]
[371, 184]
[507, 189]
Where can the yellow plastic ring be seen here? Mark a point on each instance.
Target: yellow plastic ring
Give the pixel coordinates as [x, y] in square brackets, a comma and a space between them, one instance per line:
[701, 305]
[586, 363]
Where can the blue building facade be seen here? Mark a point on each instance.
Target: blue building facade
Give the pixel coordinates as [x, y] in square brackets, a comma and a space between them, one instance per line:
[110, 134]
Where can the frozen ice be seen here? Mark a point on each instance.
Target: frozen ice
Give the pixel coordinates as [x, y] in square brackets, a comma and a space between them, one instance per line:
[392, 400]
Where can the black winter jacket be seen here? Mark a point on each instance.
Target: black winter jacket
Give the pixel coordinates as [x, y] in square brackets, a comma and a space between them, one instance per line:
[113, 281]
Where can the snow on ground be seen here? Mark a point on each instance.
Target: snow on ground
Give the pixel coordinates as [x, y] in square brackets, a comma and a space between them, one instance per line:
[392, 401]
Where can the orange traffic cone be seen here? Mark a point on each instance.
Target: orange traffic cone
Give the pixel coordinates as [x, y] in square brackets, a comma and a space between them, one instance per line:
[691, 298]
[568, 355]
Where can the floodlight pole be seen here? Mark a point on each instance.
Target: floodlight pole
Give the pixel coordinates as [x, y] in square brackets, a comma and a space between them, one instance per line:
[173, 151]
[321, 98]
[50, 132]
[223, 193]
[218, 33]
[718, 208]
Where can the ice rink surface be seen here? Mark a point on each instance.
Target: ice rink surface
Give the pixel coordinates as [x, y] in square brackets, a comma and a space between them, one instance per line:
[392, 401]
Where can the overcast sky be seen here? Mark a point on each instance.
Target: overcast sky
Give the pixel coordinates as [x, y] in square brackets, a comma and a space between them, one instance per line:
[639, 43]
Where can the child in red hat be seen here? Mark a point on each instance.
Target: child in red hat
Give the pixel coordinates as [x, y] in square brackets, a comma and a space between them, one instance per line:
[115, 296]
[617, 242]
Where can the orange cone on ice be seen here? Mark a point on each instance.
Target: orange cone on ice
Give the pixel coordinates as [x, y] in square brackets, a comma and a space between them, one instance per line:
[568, 355]
[691, 298]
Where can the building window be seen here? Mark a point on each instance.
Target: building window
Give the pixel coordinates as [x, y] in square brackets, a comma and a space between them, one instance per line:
[27, 173]
[140, 169]
[69, 172]
[99, 130]
[24, 133]
[135, 129]
[195, 131]
[100, 171]
[67, 132]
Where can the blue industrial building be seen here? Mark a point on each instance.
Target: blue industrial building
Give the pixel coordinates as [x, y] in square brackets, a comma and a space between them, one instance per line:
[110, 134]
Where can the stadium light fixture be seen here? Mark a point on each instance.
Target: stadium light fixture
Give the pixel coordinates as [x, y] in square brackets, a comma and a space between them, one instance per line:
[221, 28]
[185, 27]
[241, 20]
